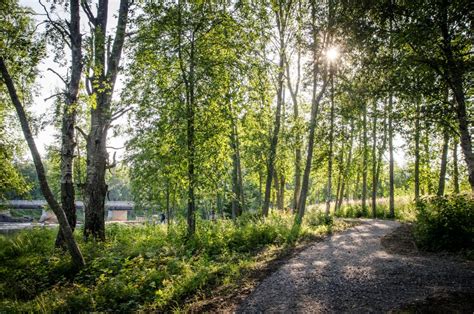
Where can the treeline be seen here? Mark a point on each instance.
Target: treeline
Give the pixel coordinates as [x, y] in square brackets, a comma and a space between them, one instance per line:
[246, 106]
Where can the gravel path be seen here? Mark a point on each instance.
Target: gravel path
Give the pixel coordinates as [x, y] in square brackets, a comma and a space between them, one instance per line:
[351, 272]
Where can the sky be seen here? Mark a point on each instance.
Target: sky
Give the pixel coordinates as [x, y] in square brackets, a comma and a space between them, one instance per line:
[49, 83]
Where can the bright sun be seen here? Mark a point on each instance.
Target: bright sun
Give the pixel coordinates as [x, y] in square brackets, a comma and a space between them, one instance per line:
[332, 54]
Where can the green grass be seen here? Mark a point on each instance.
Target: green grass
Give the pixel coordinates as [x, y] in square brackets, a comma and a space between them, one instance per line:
[146, 267]
[405, 209]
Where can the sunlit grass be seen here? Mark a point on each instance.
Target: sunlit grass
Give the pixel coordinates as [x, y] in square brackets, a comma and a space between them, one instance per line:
[147, 267]
[404, 208]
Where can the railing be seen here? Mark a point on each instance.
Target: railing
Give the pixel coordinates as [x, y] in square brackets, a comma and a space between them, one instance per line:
[41, 204]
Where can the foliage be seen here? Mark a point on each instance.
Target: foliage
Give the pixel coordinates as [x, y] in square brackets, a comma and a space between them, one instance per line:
[445, 223]
[197, 49]
[146, 267]
[11, 180]
[21, 51]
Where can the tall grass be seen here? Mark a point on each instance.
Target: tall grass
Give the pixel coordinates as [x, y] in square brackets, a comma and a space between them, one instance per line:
[145, 267]
[404, 209]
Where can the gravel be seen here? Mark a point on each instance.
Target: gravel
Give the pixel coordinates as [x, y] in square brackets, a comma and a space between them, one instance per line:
[351, 272]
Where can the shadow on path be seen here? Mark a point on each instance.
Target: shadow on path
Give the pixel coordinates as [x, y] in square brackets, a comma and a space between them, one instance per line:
[351, 272]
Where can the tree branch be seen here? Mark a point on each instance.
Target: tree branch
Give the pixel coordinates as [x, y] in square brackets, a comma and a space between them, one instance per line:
[114, 59]
[116, 148]
[64, 33]
[113, 164]
[120, 113]
[88, 11]
[62, 79]
[82, 132]
[55, 95]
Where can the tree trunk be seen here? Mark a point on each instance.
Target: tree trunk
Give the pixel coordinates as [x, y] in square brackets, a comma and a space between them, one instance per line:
[316, 99]
[297, 192]
[390, 127]
[417, 152]
[347, 167]
[455, 167]
[391, 161]
[427, 161]
[281, 24]
[309, 156]
[338, 190]
[66, 230]
[168, 209]
[239, 173]
[331, 144]
[190, 130]
[356, 191]
[340, 175]
[444, 162]
[465, 138]
[281, 200]
[374, 161]
[95, 188]
[294, 97]
[276, 190]
[237, 197]
[380, 155]
[454, 76]
[365, 161]
[68, 142]
[105, 73]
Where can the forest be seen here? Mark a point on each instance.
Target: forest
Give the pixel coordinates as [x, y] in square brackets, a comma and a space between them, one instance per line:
[255, 128]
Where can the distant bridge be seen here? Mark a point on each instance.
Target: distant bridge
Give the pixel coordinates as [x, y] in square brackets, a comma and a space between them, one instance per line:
[41, 204]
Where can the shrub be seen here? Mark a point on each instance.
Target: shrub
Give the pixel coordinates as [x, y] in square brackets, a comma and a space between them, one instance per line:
[317, 218]
[445, 223]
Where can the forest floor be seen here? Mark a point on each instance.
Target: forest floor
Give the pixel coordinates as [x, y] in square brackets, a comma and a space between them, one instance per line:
[372, 267]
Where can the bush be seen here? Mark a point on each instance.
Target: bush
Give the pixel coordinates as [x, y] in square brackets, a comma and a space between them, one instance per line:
[445, 223]
[317, 218]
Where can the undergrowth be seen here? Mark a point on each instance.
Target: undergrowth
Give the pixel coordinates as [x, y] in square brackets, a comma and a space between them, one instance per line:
[144, 267]
[446, 223]
[404, 209]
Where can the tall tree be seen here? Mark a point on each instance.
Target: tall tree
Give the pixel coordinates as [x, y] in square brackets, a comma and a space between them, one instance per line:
[346, 168]
[190, 106]
[294, 93]
[440, 36]
[331, 140]
[70, 36]
[318, 72]
[22, 53]
[238, 202]
[365, 159]
[374, 159]
[103, 71]
[282, 11]
[417, 150]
